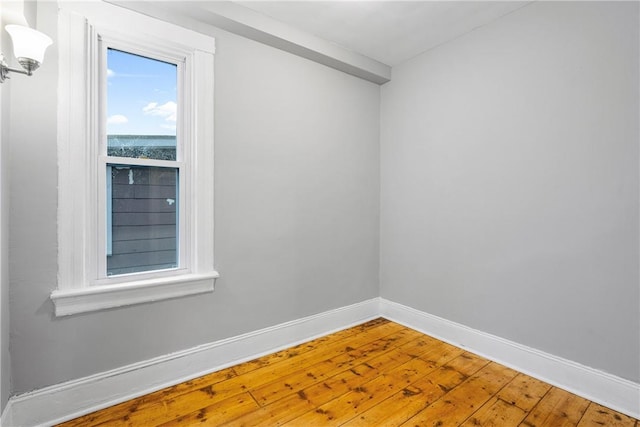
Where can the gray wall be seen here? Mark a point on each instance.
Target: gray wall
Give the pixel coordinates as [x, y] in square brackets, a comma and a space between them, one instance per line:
[5, 367]
[509, 192]
[296, 214]
[22, 13]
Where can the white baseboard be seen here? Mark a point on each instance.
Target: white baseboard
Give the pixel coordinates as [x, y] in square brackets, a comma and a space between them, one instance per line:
[608, 390]
[62, 402]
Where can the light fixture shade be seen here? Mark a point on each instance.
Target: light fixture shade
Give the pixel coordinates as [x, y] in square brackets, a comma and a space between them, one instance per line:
[28, 43]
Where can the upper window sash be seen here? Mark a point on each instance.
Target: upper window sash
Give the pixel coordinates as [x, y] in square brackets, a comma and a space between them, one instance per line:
[180, 57]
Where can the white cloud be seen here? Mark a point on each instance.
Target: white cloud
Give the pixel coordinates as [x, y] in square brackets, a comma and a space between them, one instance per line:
[110, 73]
[167, 110]
[117, 119]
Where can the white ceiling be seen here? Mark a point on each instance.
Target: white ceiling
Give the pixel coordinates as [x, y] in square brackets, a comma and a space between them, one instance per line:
[388, 31]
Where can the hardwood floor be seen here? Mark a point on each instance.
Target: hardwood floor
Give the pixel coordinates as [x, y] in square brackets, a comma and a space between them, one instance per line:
[376, 374]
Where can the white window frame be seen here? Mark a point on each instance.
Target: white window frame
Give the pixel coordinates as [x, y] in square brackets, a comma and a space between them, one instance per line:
[179, 57]
[85, 32]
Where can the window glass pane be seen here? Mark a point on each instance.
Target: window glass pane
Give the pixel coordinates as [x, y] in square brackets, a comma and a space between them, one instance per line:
[143, 219]
[141, 106]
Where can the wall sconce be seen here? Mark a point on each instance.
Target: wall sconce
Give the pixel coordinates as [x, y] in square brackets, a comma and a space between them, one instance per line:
[29, 46]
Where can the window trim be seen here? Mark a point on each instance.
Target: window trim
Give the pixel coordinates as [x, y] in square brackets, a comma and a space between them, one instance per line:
[80, 288]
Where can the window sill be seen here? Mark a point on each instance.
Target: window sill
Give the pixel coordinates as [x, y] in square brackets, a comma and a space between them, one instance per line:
[74, 301]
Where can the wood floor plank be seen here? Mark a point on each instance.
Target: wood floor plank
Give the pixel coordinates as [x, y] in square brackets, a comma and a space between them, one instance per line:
[365, 396]
[417, 396]
[496, 413]
[173, 407]
[301, 378]
[215, 414]
[467, 363]
[461, 402]
[597, 416]
[325, 351]
[376, 374]
[275, 414]
[558, 408]
[302, 401]
[524, 392]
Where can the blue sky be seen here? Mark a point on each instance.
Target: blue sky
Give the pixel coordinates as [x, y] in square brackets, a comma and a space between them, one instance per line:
[141, 95]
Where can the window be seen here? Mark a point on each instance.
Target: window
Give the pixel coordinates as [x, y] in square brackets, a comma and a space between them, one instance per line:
[143, 227]
[136, 160]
